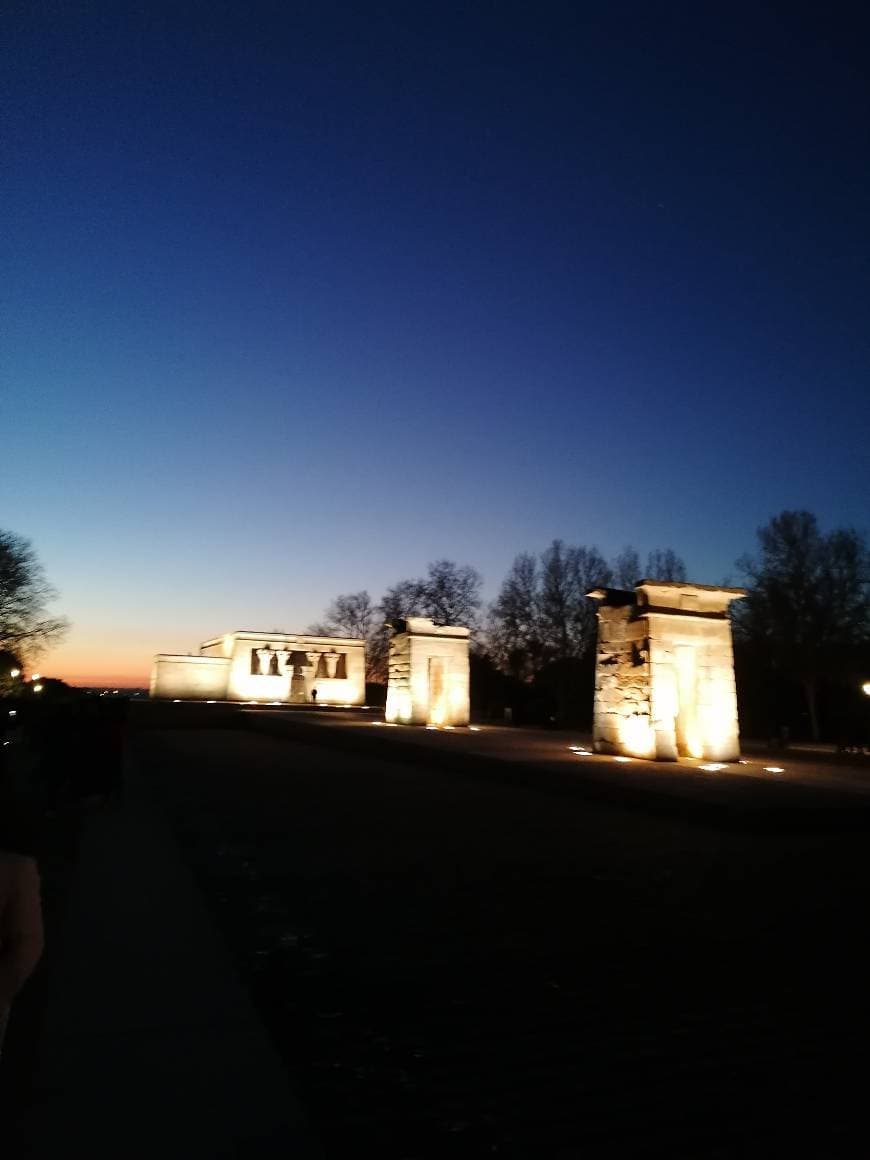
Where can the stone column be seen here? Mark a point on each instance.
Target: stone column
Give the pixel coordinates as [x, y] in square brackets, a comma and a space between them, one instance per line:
[332, 659]
[264, 657]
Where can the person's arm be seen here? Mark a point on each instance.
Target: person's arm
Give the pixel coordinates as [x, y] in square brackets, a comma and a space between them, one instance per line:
[21, 934]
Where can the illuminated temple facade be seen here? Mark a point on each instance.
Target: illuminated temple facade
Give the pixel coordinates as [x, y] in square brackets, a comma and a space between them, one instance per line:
[265, 667]
[664, 672]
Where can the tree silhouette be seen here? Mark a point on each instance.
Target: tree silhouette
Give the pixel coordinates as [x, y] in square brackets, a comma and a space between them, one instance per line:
[24, 594]
[807, 613]
[449, 594]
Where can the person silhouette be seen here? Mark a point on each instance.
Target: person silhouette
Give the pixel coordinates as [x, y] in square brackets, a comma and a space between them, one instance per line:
[313, 696]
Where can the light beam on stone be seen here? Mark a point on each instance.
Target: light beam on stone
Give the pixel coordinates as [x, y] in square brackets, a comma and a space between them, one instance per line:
[664, 672]
[428, 674]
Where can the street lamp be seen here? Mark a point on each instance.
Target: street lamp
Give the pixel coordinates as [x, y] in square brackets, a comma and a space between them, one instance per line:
[15, 672]
[865, 688]
[37, 688]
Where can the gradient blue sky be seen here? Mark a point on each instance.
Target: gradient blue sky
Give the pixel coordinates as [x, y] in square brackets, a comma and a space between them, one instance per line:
[298, 298]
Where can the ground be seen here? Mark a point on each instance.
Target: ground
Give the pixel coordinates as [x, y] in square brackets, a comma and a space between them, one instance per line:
[455, 966]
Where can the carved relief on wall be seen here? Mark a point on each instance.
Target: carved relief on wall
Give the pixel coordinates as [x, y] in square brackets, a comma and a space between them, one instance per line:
[269, 662]
[264, 658]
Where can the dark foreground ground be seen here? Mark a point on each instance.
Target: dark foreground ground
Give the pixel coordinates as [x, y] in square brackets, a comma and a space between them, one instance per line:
[453, 967]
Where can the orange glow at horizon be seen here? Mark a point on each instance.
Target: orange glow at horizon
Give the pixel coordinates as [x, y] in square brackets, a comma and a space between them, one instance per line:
[116, 658]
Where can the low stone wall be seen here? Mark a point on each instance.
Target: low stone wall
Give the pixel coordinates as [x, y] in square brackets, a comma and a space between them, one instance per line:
[189, 678]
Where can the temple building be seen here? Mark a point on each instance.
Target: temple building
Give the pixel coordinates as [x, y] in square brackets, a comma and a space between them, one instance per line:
[428, 674]
[265, 667]
[664, 672]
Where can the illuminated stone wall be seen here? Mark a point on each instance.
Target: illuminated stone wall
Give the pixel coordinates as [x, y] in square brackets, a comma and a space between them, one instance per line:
[189, 678]
[664, 672]
[268, 667]
[428, 682]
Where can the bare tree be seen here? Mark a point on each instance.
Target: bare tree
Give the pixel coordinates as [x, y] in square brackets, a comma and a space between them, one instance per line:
[558, 594]
[665, 564]
[515, 631]
[626, 568]
[451, 593]
[589, 570]
[406, 598]
[351, 614]
[24, 594]
[661, 564]
[807, 614]
[541, 613]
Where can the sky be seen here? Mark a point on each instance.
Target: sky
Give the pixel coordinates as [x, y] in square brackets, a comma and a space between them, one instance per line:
[300, 297]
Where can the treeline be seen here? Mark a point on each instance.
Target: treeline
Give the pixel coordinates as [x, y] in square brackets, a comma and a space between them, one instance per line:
[802, 635]
[541, 614]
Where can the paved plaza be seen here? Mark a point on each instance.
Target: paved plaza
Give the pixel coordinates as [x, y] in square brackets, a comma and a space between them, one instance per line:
[307, 934]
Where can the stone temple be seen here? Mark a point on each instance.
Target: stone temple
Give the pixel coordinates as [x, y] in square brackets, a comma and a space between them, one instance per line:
[266, 667]
[428, 674]
[664, 672]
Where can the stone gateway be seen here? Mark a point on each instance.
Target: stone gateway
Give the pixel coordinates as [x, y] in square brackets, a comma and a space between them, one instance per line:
[664, 672]
[428, 675]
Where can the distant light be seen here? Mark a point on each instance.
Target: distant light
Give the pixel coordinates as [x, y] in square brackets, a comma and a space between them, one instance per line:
[865, 688]
[773, 769]
[713, 766]
[345, 706]
[743, 761]
[35, 676]
[274, 702]
[622, 759]
[114, 692]
[378, 722]
[15, 672]
[13, 712]
[448, 726]
[432, 727]
[37, 688]
[177, 700]
[473, 728]
[211, 702]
